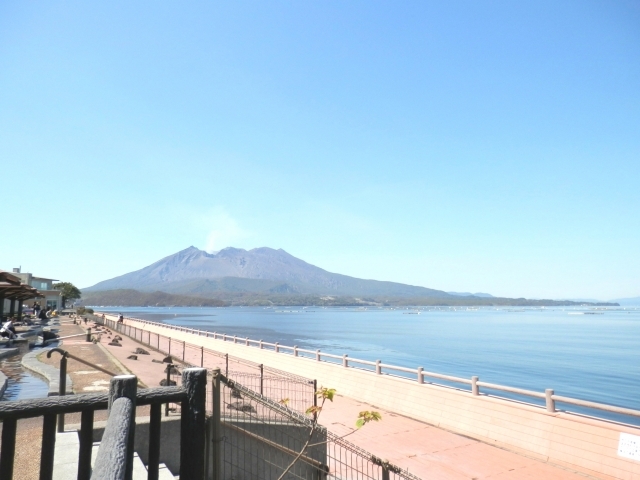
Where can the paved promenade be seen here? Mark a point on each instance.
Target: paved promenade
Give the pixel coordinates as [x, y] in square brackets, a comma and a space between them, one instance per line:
[426, 451]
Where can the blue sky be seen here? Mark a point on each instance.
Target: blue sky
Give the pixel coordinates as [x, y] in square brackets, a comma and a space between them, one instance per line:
[468, 146]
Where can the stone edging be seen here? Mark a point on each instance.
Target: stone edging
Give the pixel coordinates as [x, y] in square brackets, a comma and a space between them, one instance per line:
[50, 373]
[7, 352]
[4, 381]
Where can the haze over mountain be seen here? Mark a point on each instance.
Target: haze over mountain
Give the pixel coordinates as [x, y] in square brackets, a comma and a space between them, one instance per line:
[629, 302]
[260, 270]
[469, 294]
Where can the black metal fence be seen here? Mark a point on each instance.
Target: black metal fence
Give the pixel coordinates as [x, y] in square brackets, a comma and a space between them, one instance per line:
[275, 384]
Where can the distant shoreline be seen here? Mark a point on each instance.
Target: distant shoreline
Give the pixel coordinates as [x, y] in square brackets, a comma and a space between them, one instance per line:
[136, 298]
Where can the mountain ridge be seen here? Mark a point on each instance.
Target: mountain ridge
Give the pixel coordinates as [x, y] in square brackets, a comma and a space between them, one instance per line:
[260, 270]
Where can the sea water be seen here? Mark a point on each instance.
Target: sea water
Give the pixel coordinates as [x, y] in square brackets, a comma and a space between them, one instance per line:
[585, 353]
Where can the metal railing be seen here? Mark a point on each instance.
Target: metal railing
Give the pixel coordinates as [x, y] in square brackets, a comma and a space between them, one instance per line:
[192, 396]
[418, 374]
[271, 382]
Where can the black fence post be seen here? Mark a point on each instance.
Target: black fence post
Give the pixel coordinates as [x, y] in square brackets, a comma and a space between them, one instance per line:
[155, 426]
[126, 386]
[193, 424]
[9, 426]
[385, 472]
[169, 368]
[226, 362]
[62, 389]
[214, 444]
[86, 445]
[261, 378]
[202, 356]
[315, 399]
[48, 446]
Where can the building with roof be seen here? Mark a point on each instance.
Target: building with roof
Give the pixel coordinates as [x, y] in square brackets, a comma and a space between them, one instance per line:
[17, 287]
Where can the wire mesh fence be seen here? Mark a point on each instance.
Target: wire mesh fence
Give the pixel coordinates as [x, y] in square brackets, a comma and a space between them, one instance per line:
[263, 428]
[262, 438]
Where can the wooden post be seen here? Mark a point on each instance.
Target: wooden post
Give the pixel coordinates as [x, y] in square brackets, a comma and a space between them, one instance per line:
[475, 390]
[126, 386]
[184, 344]
[112, 461]
[193, 424]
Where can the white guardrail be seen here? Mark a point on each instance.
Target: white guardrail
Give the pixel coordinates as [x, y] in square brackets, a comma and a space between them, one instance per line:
[420, 374]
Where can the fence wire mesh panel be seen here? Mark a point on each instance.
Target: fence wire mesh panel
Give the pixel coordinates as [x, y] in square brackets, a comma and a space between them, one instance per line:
[261, 438]
[263, 427]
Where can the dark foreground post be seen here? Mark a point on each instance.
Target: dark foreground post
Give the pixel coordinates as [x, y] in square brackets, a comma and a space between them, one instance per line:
[214, 443]
[193, 424]
[126, 386]
[153, 467]
[48, 446]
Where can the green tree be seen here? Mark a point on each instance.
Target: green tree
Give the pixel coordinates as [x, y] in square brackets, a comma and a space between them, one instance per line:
[69, 292]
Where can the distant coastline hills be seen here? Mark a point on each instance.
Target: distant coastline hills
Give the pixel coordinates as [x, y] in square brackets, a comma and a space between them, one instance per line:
[265, 276]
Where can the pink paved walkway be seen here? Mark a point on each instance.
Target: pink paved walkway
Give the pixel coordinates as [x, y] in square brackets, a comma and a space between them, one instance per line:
[426, 451]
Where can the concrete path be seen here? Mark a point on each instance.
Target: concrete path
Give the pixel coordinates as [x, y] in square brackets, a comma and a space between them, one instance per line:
[426, 451]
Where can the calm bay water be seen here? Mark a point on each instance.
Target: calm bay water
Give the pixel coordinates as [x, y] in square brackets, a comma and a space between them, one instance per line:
[582, 353]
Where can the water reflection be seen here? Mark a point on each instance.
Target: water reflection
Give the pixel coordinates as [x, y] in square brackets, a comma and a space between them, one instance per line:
[22, 384]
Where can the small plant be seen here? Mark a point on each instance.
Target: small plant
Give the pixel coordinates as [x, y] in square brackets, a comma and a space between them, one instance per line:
[324, 394]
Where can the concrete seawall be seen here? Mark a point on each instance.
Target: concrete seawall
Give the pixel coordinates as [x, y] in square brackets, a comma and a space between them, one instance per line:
[580, 443]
